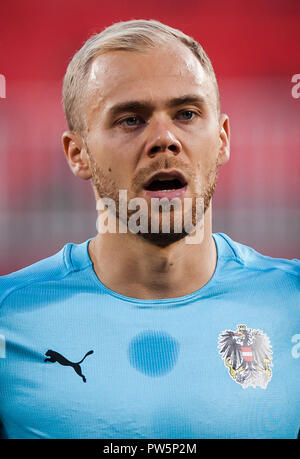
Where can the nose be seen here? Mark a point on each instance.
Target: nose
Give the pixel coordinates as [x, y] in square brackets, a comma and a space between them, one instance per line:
[161, 139]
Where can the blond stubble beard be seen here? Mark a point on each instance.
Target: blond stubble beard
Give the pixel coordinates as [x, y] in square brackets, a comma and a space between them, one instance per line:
[105, 187]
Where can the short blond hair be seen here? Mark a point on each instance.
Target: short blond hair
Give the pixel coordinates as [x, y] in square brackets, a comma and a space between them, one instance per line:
[134, 35]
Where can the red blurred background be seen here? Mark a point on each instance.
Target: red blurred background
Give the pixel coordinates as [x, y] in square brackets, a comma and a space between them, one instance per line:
[254, 47]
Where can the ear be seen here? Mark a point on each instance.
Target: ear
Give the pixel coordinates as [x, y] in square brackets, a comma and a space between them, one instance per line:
[224, 137]
[76, 155]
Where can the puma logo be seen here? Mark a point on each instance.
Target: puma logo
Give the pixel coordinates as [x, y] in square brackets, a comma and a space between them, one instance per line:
[56, 357]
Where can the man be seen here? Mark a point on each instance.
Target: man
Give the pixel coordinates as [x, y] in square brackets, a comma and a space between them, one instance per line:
[141, 332]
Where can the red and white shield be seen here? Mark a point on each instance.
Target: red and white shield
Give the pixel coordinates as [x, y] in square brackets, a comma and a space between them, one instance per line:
[247, 354]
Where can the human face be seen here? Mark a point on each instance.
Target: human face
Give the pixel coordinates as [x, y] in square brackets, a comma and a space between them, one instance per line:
[148, 113]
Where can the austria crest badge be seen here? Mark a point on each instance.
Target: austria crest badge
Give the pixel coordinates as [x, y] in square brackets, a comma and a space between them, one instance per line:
[247, 353]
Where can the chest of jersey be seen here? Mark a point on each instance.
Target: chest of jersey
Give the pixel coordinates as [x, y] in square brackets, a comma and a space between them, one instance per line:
[210, 369]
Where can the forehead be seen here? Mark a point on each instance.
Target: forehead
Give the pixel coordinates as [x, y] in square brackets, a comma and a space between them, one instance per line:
[155, 74]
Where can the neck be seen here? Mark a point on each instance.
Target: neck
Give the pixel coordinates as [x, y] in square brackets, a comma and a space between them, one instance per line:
[131, 266]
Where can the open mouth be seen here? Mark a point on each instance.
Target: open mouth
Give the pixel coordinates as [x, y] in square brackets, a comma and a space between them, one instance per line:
[164, 181]
[166, 184]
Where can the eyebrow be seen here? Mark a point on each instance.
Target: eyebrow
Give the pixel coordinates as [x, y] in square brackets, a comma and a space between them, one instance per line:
[136, 106]
[187, 99]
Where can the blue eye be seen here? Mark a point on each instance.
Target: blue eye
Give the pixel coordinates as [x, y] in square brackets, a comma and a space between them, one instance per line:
[187, 115]
[132, 121]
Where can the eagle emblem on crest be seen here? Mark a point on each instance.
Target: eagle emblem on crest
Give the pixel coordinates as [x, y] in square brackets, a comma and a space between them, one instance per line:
[247, 353]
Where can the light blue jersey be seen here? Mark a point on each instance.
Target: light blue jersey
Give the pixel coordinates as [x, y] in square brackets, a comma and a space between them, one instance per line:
[78, 360]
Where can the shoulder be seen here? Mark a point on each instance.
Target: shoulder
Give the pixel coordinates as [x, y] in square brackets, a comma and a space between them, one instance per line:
[55, 267]
[251, 259]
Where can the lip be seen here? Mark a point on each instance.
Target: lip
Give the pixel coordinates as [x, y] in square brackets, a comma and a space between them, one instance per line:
[166, 175]
[169, 194]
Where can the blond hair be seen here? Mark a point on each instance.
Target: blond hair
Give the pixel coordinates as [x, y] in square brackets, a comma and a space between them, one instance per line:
[134, 35]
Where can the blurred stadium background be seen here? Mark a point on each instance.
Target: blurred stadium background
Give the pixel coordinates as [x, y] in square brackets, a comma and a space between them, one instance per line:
[254, 47]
